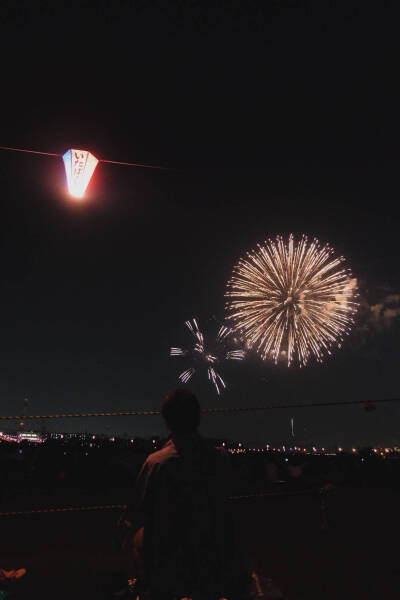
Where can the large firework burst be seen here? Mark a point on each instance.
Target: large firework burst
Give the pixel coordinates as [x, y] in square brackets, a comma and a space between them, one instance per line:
[207, 357]
[291, 300]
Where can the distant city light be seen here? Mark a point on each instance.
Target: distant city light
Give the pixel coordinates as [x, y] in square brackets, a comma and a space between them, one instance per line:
[28, 436]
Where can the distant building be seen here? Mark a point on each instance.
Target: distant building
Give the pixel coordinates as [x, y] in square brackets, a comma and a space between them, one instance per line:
[22, 436]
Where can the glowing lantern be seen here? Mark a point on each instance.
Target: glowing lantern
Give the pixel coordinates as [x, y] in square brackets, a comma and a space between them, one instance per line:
[79, 168]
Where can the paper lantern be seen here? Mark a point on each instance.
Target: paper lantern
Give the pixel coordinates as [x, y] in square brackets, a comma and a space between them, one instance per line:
[79, 168]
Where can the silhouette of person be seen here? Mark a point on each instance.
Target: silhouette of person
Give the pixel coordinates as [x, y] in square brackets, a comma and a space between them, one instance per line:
[184, 532]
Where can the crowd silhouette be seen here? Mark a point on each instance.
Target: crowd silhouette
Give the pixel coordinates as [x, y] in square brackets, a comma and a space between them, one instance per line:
[178, 527]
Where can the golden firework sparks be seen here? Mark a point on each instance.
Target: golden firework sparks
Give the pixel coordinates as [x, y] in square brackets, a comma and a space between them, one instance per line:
[291, 300]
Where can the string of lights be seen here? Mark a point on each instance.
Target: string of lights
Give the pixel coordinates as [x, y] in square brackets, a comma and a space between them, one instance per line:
[368, 405]
[62, 509]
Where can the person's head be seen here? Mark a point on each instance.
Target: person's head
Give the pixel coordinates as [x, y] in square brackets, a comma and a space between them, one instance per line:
[181, 412]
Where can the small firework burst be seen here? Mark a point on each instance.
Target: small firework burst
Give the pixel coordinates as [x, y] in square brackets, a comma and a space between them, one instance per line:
[292, 300]
[208, 356]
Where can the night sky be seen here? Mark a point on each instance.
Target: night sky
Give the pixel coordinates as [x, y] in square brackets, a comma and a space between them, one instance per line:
[277, 118]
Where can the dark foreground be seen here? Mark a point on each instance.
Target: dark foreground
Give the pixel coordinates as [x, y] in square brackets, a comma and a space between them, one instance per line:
[73, 555]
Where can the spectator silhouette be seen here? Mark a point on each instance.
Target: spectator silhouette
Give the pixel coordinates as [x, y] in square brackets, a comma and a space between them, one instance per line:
[184, 535]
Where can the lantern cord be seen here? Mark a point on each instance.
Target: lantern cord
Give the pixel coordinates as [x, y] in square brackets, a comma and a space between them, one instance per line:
[29, 151]
[113, 162]
[128, 164]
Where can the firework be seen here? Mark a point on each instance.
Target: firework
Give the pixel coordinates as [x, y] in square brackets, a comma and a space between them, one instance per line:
[291, 300]
[207, 357]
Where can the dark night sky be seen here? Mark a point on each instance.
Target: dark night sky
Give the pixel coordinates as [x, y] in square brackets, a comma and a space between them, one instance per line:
[279, 117]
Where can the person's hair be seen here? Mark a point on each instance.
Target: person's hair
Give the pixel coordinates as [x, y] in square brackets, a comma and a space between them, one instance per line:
[181, 411]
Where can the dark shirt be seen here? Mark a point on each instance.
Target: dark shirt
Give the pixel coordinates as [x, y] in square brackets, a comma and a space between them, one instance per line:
[181, 500]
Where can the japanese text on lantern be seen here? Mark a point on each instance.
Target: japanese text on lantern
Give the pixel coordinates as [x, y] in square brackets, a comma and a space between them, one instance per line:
[79, 168]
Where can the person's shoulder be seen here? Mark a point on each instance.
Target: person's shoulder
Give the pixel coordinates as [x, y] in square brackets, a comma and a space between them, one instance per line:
[161, 456]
